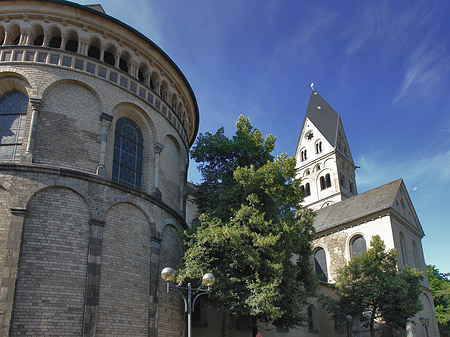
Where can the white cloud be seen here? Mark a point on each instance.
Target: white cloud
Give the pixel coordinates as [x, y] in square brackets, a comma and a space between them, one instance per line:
[302, 42]
[428, 65]
[431, 170]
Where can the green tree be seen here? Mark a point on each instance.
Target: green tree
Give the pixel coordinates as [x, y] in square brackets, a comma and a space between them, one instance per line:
[372, 283]
[252, 234]
[440, 286]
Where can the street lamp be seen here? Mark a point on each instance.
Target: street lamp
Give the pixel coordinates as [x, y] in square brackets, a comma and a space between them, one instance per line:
[425, 323]
[168, 275]
[348, 318]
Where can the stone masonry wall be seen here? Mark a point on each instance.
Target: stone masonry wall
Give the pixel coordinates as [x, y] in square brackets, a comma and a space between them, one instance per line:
[124, 273]
[52, 269]
[170, 305]
[74, 112]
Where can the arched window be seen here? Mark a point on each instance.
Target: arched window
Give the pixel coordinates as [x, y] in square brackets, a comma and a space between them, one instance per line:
[312, 319]
[350, 184]
[327, 181]
[304, 155]
[128, 145]
[320, 262]
[322, 183]
[357, 246]
[109, 58]
[94, 52]
[123, 65]
[307, 190]
[319, 147]
[55, 42]
[13, 112]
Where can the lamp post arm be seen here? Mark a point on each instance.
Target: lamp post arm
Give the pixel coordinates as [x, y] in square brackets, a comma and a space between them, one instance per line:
[206, 292]
[179, 292]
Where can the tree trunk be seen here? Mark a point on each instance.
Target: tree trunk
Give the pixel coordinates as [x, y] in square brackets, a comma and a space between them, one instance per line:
[254, 326]
[224, 324]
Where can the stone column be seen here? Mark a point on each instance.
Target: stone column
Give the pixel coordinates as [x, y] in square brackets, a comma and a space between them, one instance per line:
[36, 104]
[158, 147]
[106, 122]
[155, 248]
[182, 196]
[10, 269]
[93, 277]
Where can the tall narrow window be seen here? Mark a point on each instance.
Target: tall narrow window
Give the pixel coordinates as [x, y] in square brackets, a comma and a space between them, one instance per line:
[327, 181]
[128, 145]
[13, 112]
[318, 147]
[320, 262]
[312, 319]
[322, 183]
[358, 246]
[307, 190]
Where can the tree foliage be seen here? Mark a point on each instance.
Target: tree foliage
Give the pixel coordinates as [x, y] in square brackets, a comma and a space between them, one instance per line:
[440, 286]
[372, 283]
[250, 228]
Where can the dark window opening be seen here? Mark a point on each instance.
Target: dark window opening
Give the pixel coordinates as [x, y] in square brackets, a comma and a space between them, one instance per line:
[72, 45]
[140, 76]
[307, 190]
[109, 58]
[94, 52]
[38, 41]
[16, 40]
[55, 42]
[123, 65]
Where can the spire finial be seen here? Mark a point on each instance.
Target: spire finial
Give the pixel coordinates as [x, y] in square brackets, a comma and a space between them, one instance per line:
[312, 85]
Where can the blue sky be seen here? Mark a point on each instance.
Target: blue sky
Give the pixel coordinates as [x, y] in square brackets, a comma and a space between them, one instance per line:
[384, 66]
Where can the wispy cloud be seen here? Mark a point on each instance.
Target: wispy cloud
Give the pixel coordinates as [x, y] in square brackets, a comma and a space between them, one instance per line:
[427, 65]
[301, 42]
[431, 171]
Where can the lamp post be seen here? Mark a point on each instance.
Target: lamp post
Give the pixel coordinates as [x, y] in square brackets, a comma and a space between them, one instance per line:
[425, 323]
[168, 275]
[348, 318]
[367, 315]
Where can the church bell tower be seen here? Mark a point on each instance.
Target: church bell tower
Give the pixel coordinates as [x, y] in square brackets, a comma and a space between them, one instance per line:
[324, 161]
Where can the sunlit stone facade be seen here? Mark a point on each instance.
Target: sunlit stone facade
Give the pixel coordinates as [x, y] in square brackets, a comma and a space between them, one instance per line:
[95, 126]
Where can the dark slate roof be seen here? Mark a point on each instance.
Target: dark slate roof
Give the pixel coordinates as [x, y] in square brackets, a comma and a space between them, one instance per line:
[325, 118]
[359, 206]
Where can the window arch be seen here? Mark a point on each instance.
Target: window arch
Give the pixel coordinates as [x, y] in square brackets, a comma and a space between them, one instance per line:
[357, 246]
[312, 319]
[128, 149]
[13, 113]
[304, 154]
[72, 41]
[319, 147]
[320, 262]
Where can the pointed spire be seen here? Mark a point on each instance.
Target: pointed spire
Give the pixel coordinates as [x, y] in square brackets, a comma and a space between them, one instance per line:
[323, 116]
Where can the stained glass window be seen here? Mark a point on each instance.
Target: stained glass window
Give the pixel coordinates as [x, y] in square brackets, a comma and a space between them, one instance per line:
[13, 113]
[127, 161]
[320, 261]
[358, 246]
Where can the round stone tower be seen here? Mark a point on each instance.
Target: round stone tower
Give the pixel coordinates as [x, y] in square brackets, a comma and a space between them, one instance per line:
[95, 126]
